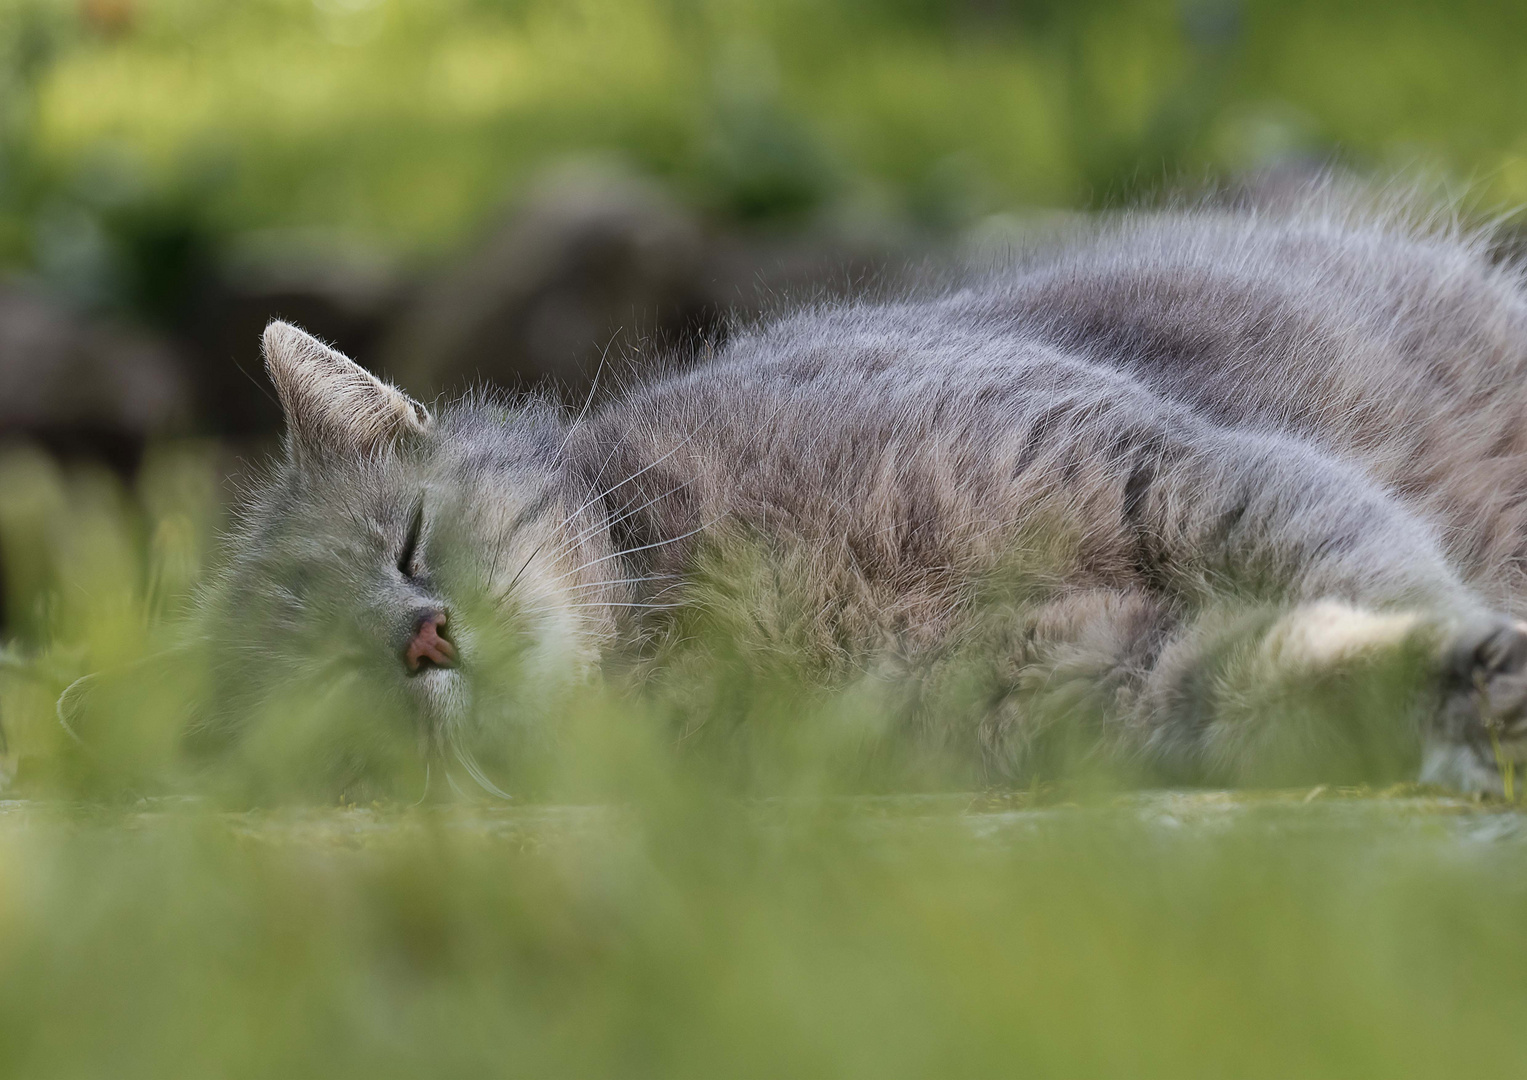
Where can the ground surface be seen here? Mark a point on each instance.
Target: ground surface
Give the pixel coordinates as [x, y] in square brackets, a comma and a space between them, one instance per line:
[1305, 933]
[1403, 814]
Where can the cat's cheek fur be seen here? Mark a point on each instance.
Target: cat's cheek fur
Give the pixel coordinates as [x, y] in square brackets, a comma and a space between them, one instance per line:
[563, 601]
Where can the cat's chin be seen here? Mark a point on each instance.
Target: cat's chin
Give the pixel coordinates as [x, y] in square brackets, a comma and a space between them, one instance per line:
[444, 697]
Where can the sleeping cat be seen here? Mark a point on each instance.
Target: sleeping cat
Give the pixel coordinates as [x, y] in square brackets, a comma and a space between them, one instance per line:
[1179, 480]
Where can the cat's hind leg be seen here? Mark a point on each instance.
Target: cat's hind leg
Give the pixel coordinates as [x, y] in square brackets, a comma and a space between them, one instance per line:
[1306, 624]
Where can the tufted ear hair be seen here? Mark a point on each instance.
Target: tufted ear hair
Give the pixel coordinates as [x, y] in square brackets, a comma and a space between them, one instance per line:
[332, 404]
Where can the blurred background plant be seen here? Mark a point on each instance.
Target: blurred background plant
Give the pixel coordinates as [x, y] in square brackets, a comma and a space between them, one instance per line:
[508, 190]
[501, 189]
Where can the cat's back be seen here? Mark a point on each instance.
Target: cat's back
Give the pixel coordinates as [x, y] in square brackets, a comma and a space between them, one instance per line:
[1397, 342]
[1390, 337]
[1304, 319]
[1294, 318]
[1255, 314]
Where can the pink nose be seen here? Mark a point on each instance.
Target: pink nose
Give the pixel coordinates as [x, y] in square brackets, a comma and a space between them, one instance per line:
[430, 645]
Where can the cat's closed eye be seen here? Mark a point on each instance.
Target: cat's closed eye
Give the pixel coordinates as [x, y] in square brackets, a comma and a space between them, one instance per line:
[408, 556]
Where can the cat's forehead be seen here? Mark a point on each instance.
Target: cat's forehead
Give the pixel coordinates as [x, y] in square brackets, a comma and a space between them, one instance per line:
[352, 493]
[478, 436]
[479, 456]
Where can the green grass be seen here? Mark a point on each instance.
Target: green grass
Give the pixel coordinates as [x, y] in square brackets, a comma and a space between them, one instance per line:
[649, 913]
[689, 936]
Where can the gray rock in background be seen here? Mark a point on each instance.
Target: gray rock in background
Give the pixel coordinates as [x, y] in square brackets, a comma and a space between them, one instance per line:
[589, 262]
[343, 295]
[600, 265]
[590, 265]
[84, 386]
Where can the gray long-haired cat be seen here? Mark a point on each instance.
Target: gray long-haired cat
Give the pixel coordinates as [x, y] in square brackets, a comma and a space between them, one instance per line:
[1181, 482]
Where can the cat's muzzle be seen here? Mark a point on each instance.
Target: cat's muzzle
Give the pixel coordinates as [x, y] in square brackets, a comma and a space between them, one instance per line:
[429, 647]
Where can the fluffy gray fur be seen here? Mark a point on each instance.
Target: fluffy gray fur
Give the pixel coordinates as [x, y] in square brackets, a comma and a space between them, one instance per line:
[1167, 472]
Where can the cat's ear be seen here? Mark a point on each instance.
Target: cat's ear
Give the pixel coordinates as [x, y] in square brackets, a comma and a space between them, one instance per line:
[332, 404]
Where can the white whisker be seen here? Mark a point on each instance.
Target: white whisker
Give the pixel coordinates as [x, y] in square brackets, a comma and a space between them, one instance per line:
[593, 387]
[646, 468]
[645, 547]
[475, 772]
[593, 604]
[611, 523]
[623, 581]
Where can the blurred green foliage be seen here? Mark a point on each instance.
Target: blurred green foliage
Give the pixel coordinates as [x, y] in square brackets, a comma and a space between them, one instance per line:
[136, 129]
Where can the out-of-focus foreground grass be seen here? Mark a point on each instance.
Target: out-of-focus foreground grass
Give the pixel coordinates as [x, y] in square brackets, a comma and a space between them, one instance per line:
[652, 915]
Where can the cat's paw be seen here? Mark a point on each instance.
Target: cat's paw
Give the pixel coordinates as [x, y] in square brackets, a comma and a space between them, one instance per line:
[1483, 720]
[1328, 634]
[1489, 670]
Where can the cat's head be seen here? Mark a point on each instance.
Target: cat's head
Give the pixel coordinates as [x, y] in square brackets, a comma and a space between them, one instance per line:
[443, 573]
